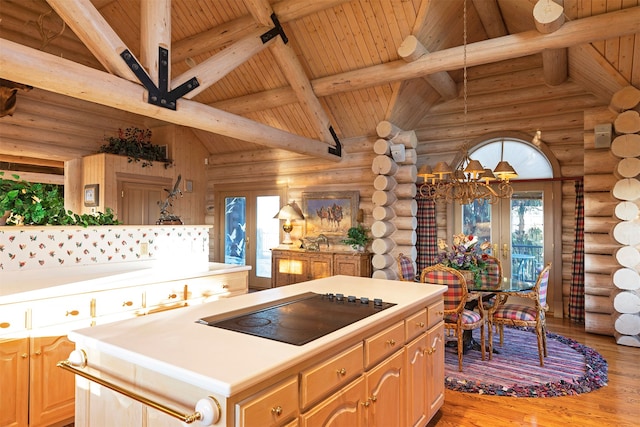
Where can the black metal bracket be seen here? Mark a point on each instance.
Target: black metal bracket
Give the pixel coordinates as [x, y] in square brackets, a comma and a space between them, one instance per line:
[274, 32]
[337, 150]
[159, 95]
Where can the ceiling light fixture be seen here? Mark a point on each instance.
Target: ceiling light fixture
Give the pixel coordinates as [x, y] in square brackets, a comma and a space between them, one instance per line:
[470, 181]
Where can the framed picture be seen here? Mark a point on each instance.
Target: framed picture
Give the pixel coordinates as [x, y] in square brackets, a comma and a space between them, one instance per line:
[91, 196]
[331, 213]
[188, 186]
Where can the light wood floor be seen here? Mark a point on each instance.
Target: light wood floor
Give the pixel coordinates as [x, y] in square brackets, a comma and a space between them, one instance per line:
[617, 404]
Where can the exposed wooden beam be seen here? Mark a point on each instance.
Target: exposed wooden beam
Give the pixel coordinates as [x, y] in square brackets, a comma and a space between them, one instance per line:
[549, 17]
[491, 17]
[49, 72]
[155, 31]
[31, 161]
[293, 71]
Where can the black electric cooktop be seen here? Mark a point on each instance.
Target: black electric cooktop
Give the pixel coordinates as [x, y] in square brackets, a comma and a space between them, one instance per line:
[301, 320]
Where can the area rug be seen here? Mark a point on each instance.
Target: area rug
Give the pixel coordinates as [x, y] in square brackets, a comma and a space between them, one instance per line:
[570, 367]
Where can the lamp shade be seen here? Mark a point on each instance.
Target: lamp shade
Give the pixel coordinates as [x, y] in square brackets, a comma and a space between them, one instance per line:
[505, 171]
[288, 212]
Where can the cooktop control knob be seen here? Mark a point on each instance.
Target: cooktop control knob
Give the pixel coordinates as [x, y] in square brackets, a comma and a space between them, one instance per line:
[377, 302]
[351, 298]
[364, 300]
[339, 297]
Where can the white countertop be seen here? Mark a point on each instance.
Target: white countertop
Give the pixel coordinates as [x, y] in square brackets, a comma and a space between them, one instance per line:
[227, 362]
[19, 286]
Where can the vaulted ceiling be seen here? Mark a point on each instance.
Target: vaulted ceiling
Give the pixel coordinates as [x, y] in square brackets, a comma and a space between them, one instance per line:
[340, 69]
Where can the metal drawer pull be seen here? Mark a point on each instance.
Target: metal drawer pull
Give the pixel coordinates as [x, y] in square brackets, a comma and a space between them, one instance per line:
[24, 355]
[172, 296]
[72, 313]
[342, 372]
[420, 324]
[127, 303]
[391, 342]
[207, 411]
[277, 410]
[5, 325]
[225, 286]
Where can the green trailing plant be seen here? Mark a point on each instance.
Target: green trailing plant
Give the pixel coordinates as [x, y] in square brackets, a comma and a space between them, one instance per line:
[42, 204]
[136, 145]
[357, 237]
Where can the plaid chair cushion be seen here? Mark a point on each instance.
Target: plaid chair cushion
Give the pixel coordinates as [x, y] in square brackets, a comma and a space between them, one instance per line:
[454, 294]
[542, 293]
[516, 312]
[406, 268]
[491, 277]
[468, 317]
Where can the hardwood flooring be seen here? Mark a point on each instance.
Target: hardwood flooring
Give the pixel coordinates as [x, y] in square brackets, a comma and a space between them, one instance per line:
[617, 404]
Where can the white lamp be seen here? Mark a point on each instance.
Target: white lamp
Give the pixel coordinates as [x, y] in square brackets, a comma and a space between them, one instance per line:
[289, 212]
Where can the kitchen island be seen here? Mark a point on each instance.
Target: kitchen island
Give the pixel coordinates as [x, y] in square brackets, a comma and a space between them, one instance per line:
[385, 369]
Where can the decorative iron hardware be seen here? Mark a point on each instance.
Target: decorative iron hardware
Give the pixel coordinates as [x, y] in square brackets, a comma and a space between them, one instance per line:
[275, 31]
[337, 150]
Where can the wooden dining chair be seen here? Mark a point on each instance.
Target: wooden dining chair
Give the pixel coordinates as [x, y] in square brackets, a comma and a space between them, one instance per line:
[456, 316]
[523, 315]
[406, 268]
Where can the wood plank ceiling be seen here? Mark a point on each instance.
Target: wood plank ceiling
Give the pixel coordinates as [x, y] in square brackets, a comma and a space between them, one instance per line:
[348, 54]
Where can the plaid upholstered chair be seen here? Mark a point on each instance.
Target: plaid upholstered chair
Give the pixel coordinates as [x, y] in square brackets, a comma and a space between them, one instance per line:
[523, 315]
[406, 269]
[456, 317]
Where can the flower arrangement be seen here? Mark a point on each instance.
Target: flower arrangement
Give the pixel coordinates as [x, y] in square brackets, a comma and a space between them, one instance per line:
[464, 254]
[136, 145]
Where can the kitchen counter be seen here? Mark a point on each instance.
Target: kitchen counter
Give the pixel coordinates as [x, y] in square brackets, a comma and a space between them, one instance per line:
[227, 362]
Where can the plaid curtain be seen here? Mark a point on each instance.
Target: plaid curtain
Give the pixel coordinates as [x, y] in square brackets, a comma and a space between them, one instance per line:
[427, 234]
[576, 296]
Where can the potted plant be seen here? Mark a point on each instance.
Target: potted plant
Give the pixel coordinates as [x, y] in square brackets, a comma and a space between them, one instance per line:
[357, 238]
[136, 145]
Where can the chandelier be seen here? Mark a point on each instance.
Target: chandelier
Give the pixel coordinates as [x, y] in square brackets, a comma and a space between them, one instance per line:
[470, 181]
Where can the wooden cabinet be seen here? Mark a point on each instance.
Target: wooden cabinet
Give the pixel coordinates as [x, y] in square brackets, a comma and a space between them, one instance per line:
[272, 407]
[290, 266]
[14, 387]
[344, 409]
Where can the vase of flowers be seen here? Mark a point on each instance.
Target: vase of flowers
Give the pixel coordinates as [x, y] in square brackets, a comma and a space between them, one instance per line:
[465, 254]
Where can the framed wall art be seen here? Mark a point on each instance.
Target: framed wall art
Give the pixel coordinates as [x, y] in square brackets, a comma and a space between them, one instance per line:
[91, 195]
[330, 213]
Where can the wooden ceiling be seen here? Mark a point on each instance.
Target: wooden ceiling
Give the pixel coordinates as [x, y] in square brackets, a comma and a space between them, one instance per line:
[340, 66]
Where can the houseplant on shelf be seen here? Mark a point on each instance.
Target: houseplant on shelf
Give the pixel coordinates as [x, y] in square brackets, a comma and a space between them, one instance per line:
[357, 238]
[136, 145]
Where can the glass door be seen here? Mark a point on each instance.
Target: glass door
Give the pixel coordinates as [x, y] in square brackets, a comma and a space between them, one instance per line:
[250, 231]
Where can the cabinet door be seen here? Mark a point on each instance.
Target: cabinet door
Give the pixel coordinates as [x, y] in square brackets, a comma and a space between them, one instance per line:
[289, 269]
[51, 389]
[320, 265]
[14, 387]
[416, 381]
[344, 409]
[435, 368]
[385, 393]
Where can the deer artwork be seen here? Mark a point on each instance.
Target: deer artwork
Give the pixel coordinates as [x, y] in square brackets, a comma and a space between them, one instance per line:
[8, 96]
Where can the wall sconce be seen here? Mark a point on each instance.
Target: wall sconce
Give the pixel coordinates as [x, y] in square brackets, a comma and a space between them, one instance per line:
[289, 212]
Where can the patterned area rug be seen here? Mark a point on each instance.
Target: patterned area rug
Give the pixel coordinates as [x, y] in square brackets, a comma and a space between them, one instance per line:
[570, 368]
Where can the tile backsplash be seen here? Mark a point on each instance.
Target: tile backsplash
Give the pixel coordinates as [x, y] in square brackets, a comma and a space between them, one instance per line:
[32, 247]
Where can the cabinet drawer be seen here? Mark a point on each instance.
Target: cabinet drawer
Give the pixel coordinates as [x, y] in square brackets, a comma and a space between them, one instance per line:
[55, 311]
[165, 296]
[222, 285]
[435, 312]
[416, 324]
[272, 407]
[383, 343]
[12, 319]
[321, 379]
[118, 301]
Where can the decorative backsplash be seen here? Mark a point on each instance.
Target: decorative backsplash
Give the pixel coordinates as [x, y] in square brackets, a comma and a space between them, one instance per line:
[32, 247]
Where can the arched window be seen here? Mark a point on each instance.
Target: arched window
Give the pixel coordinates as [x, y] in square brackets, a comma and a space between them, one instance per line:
[528, 161]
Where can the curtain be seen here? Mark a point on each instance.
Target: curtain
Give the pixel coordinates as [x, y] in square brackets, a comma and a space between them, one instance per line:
[576, 296]
[427, 234]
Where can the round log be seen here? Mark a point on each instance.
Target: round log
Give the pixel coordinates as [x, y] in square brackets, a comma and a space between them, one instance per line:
[406, 207]
[383, 198]
[411, 49]
[625, 99]
[628, 168]
[387, 130]
[627, 256]
[626, 146]
[407, 137]
[626, 189]
[627, 302]
[381, 213]
[405, 191]
[599, 323]
[628, 340]
[597, 304]
[410, 157]
[382, 146]
[382, 245]
[381, 261]
[626, 211]
[382, 228]
[384, 165]
[627, 122]
[628, 324]
[627, 233]
[384, 182]
[548, 16]
[404, 237]
[385, 274]
[627, 279]
[406, 222]
[406, 174]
